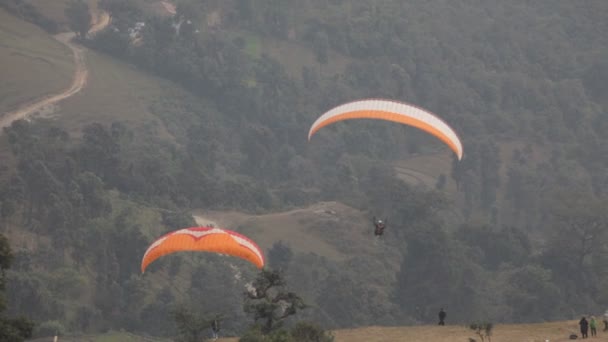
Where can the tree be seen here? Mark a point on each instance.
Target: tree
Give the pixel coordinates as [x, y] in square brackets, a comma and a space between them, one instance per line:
[267, 300]
[99, 152]
[531, 293]
[576, 250]
[436, 272]
[279, 256]
[309, 332]
[79, 17]
[496, 246]
[11, 329]
[580, 226]
[321, 47]
[190, 325]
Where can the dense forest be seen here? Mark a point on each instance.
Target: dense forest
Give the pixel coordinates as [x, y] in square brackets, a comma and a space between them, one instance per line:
[523, 239]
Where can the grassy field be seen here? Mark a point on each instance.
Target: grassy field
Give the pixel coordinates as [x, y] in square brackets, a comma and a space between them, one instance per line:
[329, 229]
[32, 63]
[114, 91]
[294, 56]
[55, 9]
[553, 332]
[542, 332]
[107, 337]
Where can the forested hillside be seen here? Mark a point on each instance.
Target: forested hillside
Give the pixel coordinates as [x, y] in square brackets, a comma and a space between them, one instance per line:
[519, 235]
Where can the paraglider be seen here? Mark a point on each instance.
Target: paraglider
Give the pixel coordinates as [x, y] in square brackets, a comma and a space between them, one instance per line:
[204, 239]
[379, 226]
[393, 111]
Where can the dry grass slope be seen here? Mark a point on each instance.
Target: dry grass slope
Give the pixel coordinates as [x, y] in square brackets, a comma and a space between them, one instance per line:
[553, 332]
[55, 9]
[114, 91]
[542, 332]
[329, 229]
[32, 63]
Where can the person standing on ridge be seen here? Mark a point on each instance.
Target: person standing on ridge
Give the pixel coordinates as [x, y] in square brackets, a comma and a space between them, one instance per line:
[215, 328]
[442, 316]
[584, 327]
[593, 326]
[379, 226]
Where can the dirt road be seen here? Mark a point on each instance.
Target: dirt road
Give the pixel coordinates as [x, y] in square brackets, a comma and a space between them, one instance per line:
[78, 82]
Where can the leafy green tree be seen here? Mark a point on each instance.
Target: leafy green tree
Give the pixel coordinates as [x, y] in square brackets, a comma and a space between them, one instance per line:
[267, 300]
[436, 272]
[321, 47]
[79, 17]
[531, 293]
[301, 332]
[347, 301]
[310, 332]
[490, 176]
[580, 226]
[11, 329]
[575, 250]
[190, 326]
[99, 152]
[506, 245]
[280, 256]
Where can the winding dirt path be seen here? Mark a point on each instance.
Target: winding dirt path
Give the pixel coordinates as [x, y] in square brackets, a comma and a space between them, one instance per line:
[78, 82]
[169, 7]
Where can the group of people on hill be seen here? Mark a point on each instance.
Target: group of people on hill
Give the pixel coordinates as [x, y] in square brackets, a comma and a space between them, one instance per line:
[591, 324]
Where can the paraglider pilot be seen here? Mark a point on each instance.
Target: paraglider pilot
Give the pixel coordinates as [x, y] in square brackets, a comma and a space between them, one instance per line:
[379, 226]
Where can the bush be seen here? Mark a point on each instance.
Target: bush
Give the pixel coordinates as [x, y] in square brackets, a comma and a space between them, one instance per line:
[310, 332]
[255, 335]
[49, 328]
[302, 332]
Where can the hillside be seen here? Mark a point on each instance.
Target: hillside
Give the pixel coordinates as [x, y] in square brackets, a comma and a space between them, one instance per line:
[33, 64]
[197, 113]
[324, 228]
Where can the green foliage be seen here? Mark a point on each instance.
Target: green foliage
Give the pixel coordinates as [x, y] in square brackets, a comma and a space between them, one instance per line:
[301, 332]
[190, 326]
[15, 329]
[436, 272]
[279, 256]
[267, 300]
[27, 11]
[49, 328]
[494, 247]
[79, 17]
[11, 329]
[255, 334]
[531, 293]
[6, 257]
[310, 332]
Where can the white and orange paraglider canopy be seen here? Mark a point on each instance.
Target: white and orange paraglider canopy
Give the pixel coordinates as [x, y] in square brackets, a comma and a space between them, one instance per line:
[204, 239]
[394, 111]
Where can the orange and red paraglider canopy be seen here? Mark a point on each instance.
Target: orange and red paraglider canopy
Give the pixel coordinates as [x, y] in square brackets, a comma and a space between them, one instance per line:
[394, 111]
[204, 239]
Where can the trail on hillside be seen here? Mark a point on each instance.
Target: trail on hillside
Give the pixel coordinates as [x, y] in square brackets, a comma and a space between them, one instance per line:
[169, 7]
[78, 82]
